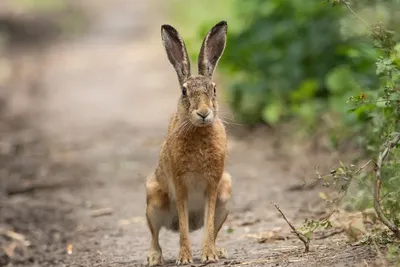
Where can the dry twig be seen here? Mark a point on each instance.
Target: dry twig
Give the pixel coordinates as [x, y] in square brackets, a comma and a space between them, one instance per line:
[302, 237]
[359, 18]
[326, 235]
[31, 186]
[102, 212]
[378, 185]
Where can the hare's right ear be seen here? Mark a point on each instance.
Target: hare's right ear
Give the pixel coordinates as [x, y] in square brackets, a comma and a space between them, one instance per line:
[176, 51]
[212, 48]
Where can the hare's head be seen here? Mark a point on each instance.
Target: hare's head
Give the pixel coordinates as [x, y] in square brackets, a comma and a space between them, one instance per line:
[198, 92]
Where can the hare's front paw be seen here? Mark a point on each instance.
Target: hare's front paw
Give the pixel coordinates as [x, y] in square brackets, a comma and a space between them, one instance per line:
[154, 258]
[209, 255]
[222, 253]
[185, 257]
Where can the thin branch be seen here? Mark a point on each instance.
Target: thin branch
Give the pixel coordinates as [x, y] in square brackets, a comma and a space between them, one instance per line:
[359, 18]
[302, 237]
[378, 185]
[365, 165]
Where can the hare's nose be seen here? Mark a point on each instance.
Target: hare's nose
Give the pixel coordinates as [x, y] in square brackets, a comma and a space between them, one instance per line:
[203, 113]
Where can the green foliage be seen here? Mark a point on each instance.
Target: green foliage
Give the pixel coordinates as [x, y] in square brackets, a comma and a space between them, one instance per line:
[394, 253]
[295, 59]
[380, 123]
[282, 56]
[382, 107]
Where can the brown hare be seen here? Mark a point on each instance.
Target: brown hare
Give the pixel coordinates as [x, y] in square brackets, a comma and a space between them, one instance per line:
[189, 188]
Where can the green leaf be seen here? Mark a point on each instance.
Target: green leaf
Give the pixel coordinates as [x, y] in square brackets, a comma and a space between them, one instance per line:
[351, 110]
[272, 112]
[340, 80]
[229, 230]
[305, 91]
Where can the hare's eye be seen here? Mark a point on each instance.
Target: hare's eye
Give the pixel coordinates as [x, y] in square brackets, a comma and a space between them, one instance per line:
[214, 86]
[184, 91]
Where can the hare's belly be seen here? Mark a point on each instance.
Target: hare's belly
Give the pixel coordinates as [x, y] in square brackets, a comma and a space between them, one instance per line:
[195, 204]
[196, 221]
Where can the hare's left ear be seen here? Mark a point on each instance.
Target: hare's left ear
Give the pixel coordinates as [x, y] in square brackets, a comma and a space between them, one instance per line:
[212, 48]
[176, 51]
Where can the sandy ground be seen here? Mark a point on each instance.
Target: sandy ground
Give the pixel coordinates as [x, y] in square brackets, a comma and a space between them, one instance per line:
[97, 127]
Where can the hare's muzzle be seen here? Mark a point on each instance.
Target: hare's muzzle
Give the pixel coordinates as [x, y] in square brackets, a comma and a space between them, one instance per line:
[202, 117]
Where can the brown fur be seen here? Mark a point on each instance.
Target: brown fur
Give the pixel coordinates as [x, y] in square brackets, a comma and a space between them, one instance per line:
[189, 188]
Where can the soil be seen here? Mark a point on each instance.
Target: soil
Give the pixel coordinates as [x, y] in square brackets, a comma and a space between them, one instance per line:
[86, 142]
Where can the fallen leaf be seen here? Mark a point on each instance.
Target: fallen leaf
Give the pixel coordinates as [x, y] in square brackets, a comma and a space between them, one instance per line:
[16, 236]
[323, 195]
[138, 219]
[129, 221]
[69, 249]
[266, 236]
[249, 222]
[10, 250]
[124, 222]
[356, 229]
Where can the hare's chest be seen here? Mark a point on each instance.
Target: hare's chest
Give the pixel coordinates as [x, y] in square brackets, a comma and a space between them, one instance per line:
[201, 159]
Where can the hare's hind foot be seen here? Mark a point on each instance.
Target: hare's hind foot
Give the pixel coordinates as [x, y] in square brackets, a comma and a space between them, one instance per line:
[157, 203]
[209, 256]
[213, 255]
[222, 253]
[184, 258]
[155, 258]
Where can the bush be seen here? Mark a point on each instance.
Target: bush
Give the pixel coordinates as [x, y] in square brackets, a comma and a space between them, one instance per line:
[282, 59]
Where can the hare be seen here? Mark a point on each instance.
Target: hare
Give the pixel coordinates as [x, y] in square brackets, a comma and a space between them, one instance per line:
[189, 188]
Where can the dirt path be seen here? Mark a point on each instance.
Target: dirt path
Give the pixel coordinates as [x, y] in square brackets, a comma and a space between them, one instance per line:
[107, 100]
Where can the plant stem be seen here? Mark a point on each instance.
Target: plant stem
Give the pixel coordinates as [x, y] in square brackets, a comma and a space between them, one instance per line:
[378, 185]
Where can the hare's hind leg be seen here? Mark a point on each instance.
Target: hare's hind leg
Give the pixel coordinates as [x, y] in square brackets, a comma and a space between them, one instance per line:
[221, 210]
[157, 207]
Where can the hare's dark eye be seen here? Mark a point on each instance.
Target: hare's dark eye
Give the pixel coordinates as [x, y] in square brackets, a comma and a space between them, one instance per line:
[215, 90]
[184, 91]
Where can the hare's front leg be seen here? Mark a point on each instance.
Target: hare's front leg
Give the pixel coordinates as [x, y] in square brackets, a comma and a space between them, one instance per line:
[157, 204]
[209, 253]
[216, 213]
[185, 252]
[222, 210]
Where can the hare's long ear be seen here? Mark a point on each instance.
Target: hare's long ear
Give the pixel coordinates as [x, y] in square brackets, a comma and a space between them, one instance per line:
[176, 51]
[212, 48]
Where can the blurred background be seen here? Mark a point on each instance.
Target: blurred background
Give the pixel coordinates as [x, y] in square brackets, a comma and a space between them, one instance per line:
[86, 92]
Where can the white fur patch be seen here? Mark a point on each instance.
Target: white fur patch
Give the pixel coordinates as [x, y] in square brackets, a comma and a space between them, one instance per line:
[196, 186]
